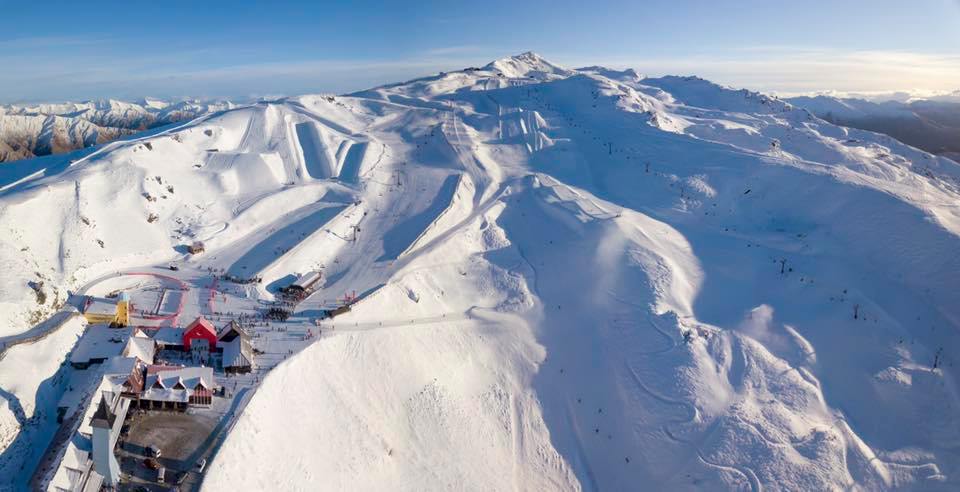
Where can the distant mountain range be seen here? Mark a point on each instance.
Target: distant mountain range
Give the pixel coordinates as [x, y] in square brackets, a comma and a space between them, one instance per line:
[931, 124]
[36, 130]
[26, 131]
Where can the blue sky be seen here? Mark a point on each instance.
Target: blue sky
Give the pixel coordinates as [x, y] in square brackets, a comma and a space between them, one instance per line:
[79, 50]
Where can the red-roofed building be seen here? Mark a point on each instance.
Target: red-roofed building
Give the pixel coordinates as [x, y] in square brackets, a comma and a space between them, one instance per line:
[200, 331]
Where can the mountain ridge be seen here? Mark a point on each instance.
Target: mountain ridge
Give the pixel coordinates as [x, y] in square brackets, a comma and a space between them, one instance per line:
[34, 130]
[930, 124]
[569, 280]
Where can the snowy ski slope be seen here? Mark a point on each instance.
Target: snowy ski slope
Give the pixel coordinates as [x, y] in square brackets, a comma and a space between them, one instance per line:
[578, 279]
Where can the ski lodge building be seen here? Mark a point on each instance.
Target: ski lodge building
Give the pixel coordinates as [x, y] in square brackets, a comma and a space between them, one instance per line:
[108, 311]
[176, 387]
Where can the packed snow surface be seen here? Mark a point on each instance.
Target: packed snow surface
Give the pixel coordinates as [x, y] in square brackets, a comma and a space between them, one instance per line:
[569, 279]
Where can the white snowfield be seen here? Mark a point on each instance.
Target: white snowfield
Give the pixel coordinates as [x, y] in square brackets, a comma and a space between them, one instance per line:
[578, 279]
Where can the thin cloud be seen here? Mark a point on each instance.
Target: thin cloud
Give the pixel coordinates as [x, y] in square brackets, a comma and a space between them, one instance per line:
[198, 73]
[783, 69]
[44, 42]
[792, 70]
[453, 50]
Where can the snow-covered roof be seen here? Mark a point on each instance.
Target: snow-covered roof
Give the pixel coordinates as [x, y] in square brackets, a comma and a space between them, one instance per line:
[82, 383]
[119, 366]
[230, 331]
[141, 348]
[167, 394]
[169, 376]
[94, 483]
[105, 307]
[74, 464]
[107, 387]
[307, 280]
[237, 353]
[169, 336]
[125, 371]
[99, 342]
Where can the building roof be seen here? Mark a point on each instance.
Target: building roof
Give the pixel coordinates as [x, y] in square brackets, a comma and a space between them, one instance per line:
[99, 342]
[169, 336]
[166, 394]
[306, 280]
[119, 366]
[169, 376]
[141, 348]
[94, 482]
[232, 330]
[75, 463]
[203, 324]
[106, 307]
[111, 390]
[104, 416]
[126, 372]
[237, 353]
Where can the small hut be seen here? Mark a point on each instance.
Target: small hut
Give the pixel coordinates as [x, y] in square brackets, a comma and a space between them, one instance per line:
[196, 248]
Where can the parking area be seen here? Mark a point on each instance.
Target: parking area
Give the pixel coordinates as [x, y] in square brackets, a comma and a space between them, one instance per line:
[180, 436]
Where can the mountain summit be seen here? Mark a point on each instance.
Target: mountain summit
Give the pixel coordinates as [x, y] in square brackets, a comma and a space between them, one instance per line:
[528, 65]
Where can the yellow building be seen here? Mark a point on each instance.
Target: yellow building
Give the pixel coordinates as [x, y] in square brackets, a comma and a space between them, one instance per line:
[108, 311]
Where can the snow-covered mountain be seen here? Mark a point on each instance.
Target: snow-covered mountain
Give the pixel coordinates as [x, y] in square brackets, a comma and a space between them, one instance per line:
[930, 124]
[36, 130]
[574, 279]
[953, 97]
